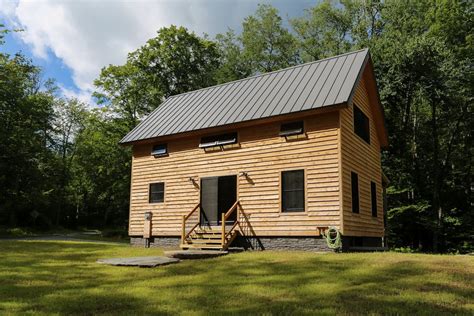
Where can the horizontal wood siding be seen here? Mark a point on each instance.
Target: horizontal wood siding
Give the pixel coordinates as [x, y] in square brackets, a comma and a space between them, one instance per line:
[263, 155]
[365, 160]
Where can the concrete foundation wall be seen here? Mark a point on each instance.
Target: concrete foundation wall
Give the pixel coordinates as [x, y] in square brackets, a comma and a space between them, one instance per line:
[282, 243]
[270, 243]
[158, 242]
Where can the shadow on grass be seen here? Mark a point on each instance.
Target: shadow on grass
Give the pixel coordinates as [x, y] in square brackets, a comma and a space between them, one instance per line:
[53, 277]
[321, 285]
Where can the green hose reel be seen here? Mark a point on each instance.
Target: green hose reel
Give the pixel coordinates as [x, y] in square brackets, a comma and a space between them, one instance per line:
[333, 238]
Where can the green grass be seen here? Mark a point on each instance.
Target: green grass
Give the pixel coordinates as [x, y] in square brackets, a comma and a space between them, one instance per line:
[15, 232]
[111, 235]
[63, 278]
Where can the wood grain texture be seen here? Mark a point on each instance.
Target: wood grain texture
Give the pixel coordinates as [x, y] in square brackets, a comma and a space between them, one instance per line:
[365, 160]
[263, 154]
[328, 153]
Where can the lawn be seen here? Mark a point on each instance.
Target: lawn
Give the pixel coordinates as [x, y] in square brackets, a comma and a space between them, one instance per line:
[47, 277]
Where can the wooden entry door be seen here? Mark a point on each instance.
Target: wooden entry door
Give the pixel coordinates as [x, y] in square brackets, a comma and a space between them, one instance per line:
[218, 194]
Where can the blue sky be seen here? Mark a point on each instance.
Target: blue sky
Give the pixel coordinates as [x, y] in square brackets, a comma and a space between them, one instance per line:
[53, 67]
[73, 40]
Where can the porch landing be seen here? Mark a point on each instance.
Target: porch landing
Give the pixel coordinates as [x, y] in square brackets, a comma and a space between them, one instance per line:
[194, 254]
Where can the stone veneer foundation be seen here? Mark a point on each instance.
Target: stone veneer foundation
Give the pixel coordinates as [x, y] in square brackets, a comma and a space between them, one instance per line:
[249, 243]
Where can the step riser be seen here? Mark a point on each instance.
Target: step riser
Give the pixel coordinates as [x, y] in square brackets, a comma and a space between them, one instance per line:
[201, 247]
[200, 239]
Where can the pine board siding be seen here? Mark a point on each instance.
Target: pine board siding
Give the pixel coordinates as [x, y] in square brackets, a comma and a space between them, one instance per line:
[263, 154]
[365, 160]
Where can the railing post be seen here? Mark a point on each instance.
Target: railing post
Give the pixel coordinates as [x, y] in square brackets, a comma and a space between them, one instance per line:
[199, 213]
[183, 230]
[223, 230]
[238, 212]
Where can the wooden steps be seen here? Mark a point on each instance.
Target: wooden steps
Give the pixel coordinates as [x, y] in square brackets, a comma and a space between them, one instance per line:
[208, 238]
[191, 246]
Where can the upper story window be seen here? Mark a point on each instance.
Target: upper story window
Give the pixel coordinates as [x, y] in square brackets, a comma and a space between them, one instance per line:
[361, 124]
[159, 150]
[292, 191]
[218, 140]
[293, 128]
[156, 192]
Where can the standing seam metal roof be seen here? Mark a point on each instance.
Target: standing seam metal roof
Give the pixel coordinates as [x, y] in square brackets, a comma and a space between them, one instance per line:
[308, 86]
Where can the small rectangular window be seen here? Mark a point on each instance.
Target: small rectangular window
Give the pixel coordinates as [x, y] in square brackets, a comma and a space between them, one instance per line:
[294, 128]
[355, 192]
[159, 150]
[292, 191]
[361, 124]
[373, 196]
[157, 192]
[218, 140]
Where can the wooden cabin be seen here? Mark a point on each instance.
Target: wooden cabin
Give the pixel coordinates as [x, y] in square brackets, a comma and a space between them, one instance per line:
[266, 162]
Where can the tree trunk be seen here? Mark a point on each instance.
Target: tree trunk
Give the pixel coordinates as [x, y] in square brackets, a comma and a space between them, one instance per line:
[436, 202]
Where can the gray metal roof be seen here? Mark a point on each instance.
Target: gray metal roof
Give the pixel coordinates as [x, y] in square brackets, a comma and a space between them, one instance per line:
[308, 86]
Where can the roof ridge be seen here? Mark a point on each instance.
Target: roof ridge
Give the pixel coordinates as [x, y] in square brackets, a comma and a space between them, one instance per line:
[268, 73]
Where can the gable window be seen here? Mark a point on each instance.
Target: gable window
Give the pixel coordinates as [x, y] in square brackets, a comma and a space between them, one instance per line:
[361, 124]
[373, 197]
[157, 192]
[159, 150]
[293, 128]
[292, 191]
[355, 192]
[218, 140]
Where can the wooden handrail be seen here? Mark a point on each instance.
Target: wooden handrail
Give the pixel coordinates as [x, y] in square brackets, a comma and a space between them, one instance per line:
[231, 209]
[191, 213]
[232, 228]
[183, 227]
[191, 230]
[225, 217]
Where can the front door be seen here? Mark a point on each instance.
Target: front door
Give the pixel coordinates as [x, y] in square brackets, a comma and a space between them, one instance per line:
[218, 194]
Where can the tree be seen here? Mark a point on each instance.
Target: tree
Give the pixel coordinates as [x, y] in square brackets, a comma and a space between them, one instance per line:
[68, 123]
[233, 65]
[324, 30]
[100, 184]
[26, 115]
[267, 45]
[173, 62]
[422, 59]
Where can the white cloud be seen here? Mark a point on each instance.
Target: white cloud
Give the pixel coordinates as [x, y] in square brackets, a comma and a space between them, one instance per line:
[88, 35]
[82, 95]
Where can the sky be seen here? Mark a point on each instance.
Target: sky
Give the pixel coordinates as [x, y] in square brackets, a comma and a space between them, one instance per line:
[72, 40]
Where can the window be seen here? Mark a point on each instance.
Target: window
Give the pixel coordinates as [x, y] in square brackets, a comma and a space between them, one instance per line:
[373, 196]
[293, 128]
[292, 191]
[159, 150]
[355, 192]
[157, 192]
[361, 124]
[218, 140]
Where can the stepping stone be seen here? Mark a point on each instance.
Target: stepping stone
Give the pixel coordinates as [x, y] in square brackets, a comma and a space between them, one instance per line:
[148, 262]
[194, 254]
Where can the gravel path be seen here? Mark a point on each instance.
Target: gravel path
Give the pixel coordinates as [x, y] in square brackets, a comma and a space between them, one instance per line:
[79, 236]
